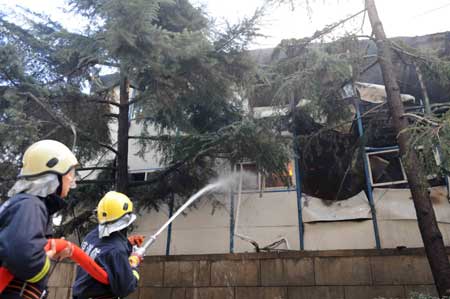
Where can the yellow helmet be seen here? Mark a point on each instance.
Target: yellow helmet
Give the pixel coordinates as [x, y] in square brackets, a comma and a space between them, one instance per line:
[113, 206]
[47, 156]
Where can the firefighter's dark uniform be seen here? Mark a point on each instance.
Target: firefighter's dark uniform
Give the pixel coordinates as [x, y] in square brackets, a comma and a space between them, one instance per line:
[25, 225]
[112, 254]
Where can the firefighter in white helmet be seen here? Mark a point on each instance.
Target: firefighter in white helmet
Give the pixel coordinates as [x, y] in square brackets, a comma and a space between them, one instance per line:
[47, 174]
[109, 246]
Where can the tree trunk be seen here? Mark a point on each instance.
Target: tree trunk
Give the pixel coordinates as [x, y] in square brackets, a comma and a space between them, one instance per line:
[122, 135]
[431, 235]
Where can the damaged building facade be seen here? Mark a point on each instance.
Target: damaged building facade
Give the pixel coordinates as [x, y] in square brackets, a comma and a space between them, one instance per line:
[336, 198]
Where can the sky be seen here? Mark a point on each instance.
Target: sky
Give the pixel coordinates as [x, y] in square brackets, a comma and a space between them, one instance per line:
[399, 17]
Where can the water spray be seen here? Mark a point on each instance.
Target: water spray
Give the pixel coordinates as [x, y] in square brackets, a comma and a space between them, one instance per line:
[141, 250]
[236, 221]
[245, 237]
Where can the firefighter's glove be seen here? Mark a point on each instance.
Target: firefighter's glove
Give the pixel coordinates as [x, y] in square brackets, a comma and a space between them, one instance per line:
[58, 256]
[136, 240]
[135, 260]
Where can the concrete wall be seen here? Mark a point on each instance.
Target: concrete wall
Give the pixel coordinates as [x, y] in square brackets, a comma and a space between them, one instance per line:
[151, 159]
[206, 228]
[345, 274]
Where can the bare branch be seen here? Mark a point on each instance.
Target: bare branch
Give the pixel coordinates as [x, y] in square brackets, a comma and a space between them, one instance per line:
[156, 138]
[84, 182]
[53, 131]
[114, 115]
[375, 62]
[74, 132]
[109, 88]
[105, 102]
[96, 168]
[399, 49]
[134, 101]
[421, 119]
[110, 64]
[161, 175]
[363, 20]
[364, 36]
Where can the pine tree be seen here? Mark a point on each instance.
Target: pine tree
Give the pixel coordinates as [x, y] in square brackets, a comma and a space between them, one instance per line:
[189, 78]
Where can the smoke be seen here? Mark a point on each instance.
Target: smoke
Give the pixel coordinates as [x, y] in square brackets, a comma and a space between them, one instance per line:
[231, 182]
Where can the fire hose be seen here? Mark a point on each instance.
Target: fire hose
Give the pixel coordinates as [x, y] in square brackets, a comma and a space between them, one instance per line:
[78, 256]
[87, 263]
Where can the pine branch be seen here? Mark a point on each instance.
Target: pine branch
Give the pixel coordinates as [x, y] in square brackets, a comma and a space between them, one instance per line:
[99, 161]
[71, 72]
[327, 29]
[175, 166]
[10, 79]
[65, 122]
[331, 27]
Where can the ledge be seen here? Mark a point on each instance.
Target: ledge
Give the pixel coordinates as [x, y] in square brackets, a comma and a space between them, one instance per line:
[292, 254]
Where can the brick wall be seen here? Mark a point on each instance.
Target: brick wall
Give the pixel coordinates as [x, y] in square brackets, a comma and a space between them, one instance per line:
[349, 274]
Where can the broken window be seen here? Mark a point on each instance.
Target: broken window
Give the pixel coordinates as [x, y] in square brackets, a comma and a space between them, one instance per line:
[386, 168]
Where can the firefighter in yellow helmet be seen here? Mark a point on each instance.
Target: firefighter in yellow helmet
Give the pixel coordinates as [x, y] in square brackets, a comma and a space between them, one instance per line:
[109, 246]
[47, 174]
